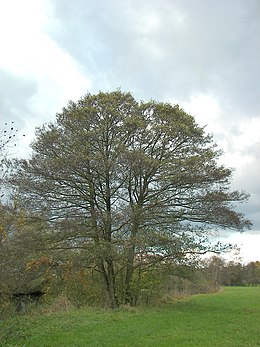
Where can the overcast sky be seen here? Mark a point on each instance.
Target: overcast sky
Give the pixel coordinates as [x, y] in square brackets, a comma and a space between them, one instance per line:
[203, 54]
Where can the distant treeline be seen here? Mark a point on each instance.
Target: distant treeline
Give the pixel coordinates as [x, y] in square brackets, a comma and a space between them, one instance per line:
[232, 273]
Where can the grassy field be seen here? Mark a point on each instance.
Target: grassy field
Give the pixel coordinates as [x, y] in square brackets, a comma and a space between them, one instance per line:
[229, 318]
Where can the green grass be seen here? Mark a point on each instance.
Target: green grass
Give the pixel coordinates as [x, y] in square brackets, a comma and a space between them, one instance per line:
[229, 318]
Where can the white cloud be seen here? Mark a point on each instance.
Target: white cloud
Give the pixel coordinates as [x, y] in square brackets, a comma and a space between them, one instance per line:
[148, 23]
[21, 33]
[206, 109]
[237, 136]
[249, 245]
[28, 52]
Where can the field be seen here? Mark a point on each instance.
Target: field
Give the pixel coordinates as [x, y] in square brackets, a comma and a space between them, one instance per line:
[228, 318]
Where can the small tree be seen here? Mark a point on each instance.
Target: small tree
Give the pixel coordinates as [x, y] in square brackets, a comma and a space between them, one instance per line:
[127, 185]
[8, 136]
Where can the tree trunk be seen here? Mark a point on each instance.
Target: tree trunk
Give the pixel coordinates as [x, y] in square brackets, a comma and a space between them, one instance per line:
[111, 287]
[128, 298]
[136, 210]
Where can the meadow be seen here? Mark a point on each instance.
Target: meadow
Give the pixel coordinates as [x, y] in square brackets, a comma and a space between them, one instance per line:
[229, 318]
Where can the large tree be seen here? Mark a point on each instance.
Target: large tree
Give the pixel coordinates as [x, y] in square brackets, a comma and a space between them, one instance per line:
[127, 185]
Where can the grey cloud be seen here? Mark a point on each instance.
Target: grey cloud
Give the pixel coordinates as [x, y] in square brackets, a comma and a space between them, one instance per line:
[194, 47]
[15, 95]
[248, 180]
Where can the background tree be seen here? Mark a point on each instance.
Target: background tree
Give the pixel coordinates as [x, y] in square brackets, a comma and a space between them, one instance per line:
[127, 186]
[214, 270]
[252, 273]
[233, 274]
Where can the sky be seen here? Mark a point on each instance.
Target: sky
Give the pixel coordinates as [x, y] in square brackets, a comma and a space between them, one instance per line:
[203, 55]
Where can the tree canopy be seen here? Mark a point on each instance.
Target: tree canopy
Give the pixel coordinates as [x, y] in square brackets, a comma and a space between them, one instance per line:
[126, 185]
